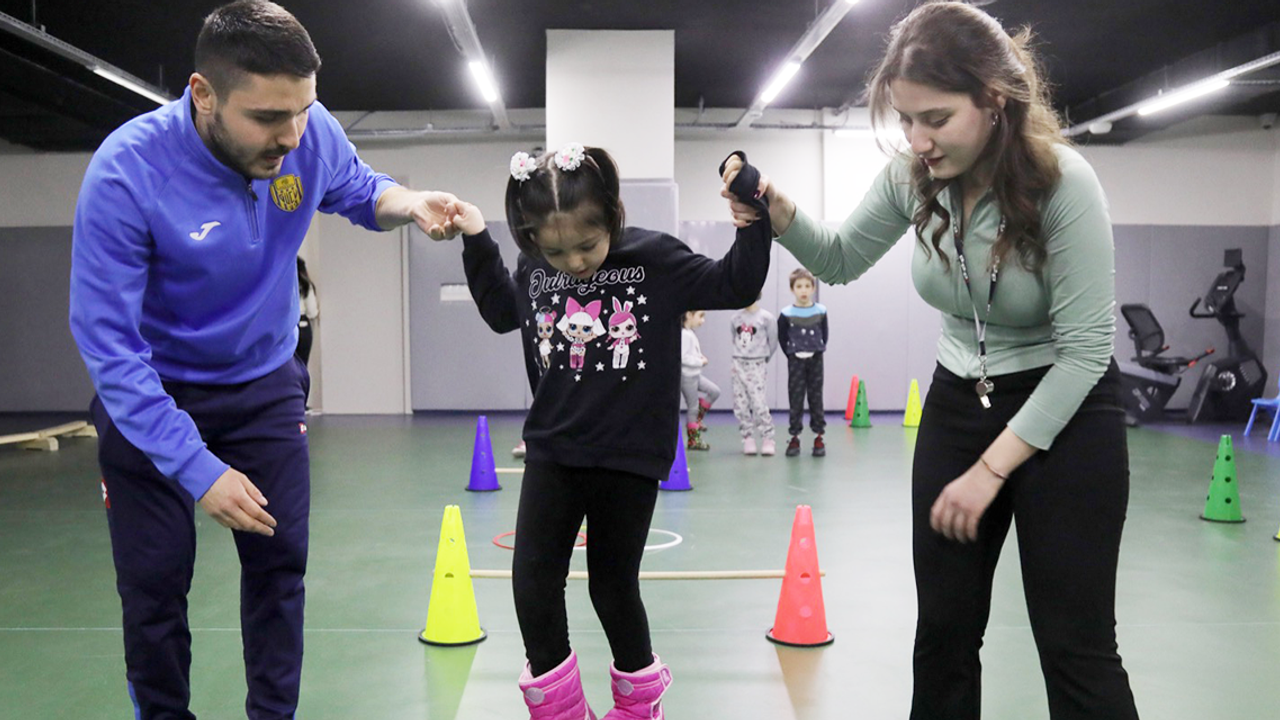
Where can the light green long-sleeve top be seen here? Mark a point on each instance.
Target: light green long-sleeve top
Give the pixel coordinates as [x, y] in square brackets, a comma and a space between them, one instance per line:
[1064, 316]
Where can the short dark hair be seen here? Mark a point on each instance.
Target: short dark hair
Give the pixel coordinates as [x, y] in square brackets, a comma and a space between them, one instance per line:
[802, 274]
[549, 189]
[253, 37]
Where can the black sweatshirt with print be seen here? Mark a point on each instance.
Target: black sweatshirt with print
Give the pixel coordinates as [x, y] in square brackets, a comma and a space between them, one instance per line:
[604, 353]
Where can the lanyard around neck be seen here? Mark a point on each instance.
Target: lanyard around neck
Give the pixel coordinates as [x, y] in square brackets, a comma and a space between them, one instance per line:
[979, 325]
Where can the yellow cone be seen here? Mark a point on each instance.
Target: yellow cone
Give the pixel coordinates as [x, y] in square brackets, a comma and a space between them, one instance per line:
[912, 416]
[452, 618]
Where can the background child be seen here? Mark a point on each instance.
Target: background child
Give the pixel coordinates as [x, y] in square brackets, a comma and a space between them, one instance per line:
[699, 392]
[598, 433]
[309, 305]
[802, 333]
[754, 341]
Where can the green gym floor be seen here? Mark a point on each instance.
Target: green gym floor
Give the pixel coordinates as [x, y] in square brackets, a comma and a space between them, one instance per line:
[1198, 605]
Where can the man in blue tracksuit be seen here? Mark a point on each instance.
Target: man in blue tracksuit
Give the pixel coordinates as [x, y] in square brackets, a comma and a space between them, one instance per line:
[184, 303]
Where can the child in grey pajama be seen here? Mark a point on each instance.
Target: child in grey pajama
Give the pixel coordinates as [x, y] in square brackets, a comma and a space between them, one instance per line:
[755, 339]
[699, 392]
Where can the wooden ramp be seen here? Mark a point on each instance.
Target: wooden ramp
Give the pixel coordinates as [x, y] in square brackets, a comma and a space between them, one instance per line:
[47, 439]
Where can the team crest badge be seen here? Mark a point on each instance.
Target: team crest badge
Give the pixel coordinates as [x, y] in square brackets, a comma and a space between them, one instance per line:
[286, 192]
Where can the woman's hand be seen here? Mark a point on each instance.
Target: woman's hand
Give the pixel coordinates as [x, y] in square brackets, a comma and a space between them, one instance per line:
[466, 217]
[963, 501]
[781, 210]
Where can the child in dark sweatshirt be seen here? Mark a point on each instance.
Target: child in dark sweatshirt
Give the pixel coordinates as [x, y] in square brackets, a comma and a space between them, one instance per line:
[802, 334]
[599, 433]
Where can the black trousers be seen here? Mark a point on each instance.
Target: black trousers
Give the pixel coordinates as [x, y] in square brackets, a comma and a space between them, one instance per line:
[804, 379]
[618, 507]
[258, 428]
[1069, 505]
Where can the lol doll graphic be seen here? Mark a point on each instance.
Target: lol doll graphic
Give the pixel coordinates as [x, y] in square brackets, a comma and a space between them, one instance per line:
[581, 325]
[624, 329]
[546, 319]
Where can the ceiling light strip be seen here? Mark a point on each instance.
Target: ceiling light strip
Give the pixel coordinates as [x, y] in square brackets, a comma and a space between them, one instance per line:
[104, 69]
[1186, 94]
[780, 80]
[463, 31]
[484, 79]
[135, 85]
[795, 57]
[1213, 82]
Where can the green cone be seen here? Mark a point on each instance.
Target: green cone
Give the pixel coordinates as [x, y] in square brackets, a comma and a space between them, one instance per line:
[1223, 502]
[861, 416]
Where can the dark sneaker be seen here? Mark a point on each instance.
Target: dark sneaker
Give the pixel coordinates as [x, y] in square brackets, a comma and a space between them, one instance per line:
[819, 447]
[793, 447]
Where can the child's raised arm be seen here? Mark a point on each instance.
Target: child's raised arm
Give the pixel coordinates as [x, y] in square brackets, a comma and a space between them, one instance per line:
[733, 281]
[492, 287]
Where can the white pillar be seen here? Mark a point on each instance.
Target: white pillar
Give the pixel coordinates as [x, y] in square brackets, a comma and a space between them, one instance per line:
[614, 89]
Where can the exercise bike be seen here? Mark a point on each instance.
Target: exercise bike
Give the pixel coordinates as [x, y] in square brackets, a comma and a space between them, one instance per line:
[1228, 385]
[1150, 378]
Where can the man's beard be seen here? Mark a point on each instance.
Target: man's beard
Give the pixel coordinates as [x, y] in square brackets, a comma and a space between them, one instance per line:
[235, 156]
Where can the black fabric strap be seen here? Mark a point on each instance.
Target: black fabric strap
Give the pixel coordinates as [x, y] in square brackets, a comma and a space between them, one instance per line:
[746, 184]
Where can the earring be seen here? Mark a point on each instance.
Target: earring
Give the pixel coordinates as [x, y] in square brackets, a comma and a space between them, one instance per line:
[995, 119]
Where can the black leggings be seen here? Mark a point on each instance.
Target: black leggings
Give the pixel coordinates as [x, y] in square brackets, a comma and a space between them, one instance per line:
[618, 507]
[1069, 505]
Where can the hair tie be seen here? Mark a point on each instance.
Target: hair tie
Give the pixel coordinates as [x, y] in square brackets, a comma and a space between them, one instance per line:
[522, 166]
[570, 157]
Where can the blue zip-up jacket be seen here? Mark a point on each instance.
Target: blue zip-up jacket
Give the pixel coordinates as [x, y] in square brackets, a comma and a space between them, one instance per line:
[183, 270]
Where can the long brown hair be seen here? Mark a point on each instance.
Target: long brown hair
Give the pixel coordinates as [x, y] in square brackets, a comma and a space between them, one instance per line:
[954, 47]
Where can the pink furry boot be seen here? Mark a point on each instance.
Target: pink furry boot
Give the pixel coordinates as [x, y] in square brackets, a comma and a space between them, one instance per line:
[556, 694]
[638, 695]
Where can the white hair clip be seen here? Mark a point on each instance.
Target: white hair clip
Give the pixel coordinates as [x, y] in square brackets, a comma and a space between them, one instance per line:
[522, 166]
[570, 157]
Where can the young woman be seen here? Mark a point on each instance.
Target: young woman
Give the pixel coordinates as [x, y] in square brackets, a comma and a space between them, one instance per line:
[1022, 422]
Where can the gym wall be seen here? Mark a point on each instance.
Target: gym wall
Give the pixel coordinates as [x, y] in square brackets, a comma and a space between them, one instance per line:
[40, 367]
[1177, 200]
[1168, 267]
[1271, 326]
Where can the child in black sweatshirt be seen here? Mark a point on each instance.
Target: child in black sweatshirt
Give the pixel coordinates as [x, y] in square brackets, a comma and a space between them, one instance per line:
[802, 333]
[601, 431]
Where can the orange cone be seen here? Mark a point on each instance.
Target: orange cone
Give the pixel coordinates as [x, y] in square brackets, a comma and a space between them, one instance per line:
[853, 399]
[802, 616]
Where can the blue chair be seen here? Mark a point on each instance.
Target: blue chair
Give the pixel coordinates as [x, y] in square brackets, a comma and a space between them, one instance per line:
[1272, 406]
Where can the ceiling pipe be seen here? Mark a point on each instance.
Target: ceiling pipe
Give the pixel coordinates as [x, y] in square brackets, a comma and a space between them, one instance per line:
[804, 47]
[1110, 118]
[463, 32]
[39, 37]
[411, 134]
